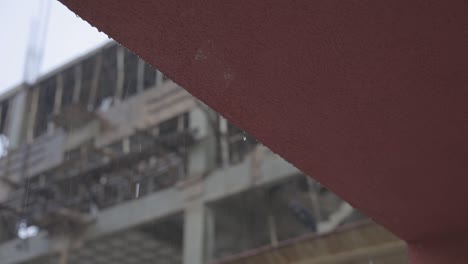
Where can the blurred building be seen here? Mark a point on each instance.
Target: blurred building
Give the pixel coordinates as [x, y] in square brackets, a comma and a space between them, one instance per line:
[105, 160]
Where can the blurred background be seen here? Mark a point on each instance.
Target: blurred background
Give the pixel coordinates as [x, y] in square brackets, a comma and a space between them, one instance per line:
[64, 37]
[106, 160]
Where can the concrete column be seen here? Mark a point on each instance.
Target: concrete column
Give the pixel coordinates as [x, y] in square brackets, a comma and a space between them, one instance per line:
[201, 156]
[5, 189]
[194, 226]
[209, 234]
[272, 229]
[31, 120]
[78, 81]
[120, 73]
[58, 94]
[223, 128]
[95, 83]
[159, 78]
[140, 75]
[17, 118]
[314, 198]
[199, 233]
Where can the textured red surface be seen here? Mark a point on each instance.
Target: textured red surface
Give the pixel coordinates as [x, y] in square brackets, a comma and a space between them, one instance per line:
[452, 250]
[368, 97]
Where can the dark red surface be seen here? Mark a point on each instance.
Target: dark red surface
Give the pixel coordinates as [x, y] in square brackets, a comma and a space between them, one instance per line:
[368, 97]
[452, 250]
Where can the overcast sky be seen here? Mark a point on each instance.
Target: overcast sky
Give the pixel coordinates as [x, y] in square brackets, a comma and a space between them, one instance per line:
[67, 37]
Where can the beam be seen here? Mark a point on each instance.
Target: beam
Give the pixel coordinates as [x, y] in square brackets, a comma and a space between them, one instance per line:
[362, 242]
[359, 254]
[18, 251]
[218, 185]
[133, 213]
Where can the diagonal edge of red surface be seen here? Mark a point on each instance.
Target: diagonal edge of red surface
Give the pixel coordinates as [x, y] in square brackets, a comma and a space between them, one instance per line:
[367, 97]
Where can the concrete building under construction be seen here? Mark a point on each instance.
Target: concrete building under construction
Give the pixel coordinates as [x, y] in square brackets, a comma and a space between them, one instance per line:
[105, 160]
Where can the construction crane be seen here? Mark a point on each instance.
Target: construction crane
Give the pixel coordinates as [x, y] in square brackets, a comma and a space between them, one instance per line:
[32, 66]
[36, 42]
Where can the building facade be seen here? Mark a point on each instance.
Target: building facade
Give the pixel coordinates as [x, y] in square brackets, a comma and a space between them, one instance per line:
[106, 160]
